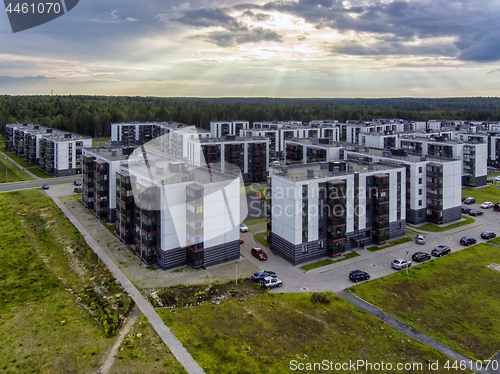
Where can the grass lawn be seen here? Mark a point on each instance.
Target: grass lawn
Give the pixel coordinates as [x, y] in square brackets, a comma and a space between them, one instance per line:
[142, 351]
[25, 164]
[453, 299]
[100, 142]
[436, 228]
[262, 238]
[14, 174]
[264, 333]
[488, 193]
[255, 225]
[390, 244]
[58, 302]
[328, 261]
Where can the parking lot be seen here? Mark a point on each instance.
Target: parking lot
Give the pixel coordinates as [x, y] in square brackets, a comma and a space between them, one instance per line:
[335, 277]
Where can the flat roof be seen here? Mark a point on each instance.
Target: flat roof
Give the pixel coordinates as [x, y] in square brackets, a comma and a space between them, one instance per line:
[106, 153]
[315, 143]
[411, 157]
[236, 139]
[320, 170]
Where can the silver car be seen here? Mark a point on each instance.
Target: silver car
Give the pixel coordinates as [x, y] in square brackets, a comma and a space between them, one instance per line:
[270, 282]
[420, 239]
[400, 263]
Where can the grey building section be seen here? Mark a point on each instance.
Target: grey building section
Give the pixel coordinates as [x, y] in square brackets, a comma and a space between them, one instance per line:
[283, 248]
[171, 258]
[397, 229]
[474, 181]
[293, 253]
[222, 253]
[416, 216]
[452, 214]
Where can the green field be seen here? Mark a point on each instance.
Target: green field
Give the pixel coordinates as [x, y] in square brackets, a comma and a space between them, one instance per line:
[436, 228]
[390, 244]
[489, 193]
[14, 174]
[255, 225]
[25, 164]
[262, 238]
[100, 142]
[265, 333]
[329, 261]
[58, 303]
[453, 299]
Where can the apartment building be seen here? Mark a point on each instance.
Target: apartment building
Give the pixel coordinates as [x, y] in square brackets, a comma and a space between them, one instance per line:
[433, 184]
[474, 156]
[325, 209]
[378, 140]
[278, 135]
[99, 189]
[304, 151]
[182, 214]
[219, 129]
[494, 149]
[230, 154]
[139, 133]
[352, 130]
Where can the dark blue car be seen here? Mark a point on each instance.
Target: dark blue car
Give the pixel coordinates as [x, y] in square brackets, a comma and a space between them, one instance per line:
[357, 275]
[467, 240]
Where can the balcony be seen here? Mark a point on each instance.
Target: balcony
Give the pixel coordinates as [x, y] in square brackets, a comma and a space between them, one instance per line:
[437, 185]
[435, 174]
[436, 205]
[335, 221]
[435, 194]
[380, 209]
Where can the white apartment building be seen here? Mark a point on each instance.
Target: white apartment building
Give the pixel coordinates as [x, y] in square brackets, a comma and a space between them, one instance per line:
[325, 209]
[304, 151]
[220, 129]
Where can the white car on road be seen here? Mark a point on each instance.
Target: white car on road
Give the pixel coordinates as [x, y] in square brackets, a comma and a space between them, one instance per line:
[400, 263]
[486, 205]
[243, 227]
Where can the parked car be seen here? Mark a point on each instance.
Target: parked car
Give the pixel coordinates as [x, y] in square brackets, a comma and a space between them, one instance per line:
[45, 186]
[275, 163]
[258, 253]
[420, 239]
[496, 207]
[241, 240]
[441, 250]
[466, 209]
[467, 240]
[77, 183]
[420, 256]
[271, 282]
[469, 200]
[475, 212]
[243, 227]
[487, 205]
[77, 190]
[463, 198]
[357, 275]
[488, 235]
[400, 263]
[258, 276]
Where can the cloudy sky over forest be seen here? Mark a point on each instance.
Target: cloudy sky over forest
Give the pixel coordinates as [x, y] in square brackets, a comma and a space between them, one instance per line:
[305, 48]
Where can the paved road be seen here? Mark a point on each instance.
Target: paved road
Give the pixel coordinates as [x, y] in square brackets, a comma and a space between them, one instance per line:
[170, 340]
[20, 167]
[335, 277]
[38, 183]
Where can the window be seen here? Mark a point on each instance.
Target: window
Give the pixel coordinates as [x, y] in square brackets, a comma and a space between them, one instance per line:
[304, 234]
[321, 231]
[420, 191]
[321, 244]
[420, 169]
[399, 225]
[304, 248]
[420, 203]
[419, 180]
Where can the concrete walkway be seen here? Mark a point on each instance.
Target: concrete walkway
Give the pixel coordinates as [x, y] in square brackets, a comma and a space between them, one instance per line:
[175, 346]
[114, 351]
[412, 332]
[20, 167]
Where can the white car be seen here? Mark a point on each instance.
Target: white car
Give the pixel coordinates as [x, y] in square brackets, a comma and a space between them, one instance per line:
[243, 227]
[271, 282]
[486, 205]
[276, 163]
[400, 263]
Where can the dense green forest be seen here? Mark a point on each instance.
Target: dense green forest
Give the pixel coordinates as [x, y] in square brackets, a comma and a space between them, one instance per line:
[92, 115]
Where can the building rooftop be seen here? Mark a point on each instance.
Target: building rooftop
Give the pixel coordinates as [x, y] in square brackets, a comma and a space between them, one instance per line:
[409, 157]
[231, 139]
[109, 154]
[321, 170]
[316, 143]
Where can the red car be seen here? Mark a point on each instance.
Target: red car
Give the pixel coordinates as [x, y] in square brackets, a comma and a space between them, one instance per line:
[241, 240]
[259, 253]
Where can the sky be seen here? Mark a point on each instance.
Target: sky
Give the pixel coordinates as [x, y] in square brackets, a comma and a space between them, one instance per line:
[226, 48]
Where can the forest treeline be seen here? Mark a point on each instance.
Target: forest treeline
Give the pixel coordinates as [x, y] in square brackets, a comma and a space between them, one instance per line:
[92, 115]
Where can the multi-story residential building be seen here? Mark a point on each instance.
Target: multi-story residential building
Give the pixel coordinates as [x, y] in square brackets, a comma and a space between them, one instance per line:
[378, 140]
[323, 209]
[494, 149]
[99, 190]
[303, 151]
[249, 155]
[433, 184]
[183, 214]
[351, 131]
[474, 156]
[139, 133]
[277, 136]
[219, 129]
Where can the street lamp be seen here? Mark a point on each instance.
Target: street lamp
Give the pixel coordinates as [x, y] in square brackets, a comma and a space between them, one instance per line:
[236, 262]
[5, 169]
[407, 262]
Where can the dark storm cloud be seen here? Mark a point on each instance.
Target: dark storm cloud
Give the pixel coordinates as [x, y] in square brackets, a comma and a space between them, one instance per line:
[472, 23]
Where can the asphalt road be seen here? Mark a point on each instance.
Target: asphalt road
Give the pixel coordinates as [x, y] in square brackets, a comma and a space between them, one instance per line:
[335, 277]
[38, 183]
